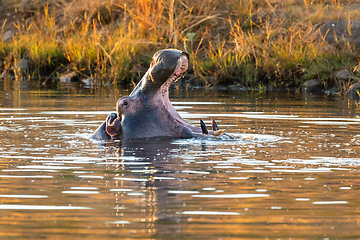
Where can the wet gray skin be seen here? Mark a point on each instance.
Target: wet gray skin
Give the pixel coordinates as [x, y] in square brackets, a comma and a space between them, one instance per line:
[147, 111]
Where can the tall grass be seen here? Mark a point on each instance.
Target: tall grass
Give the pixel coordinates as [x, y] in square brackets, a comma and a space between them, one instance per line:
[247, 42]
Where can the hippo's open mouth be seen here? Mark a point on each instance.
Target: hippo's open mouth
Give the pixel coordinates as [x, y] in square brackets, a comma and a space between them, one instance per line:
[178, 73]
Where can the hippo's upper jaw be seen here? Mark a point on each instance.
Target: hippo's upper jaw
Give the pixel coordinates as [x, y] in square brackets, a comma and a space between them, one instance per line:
[147, 112]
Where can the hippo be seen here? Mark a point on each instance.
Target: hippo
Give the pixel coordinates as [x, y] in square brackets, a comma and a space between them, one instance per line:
[147, 112]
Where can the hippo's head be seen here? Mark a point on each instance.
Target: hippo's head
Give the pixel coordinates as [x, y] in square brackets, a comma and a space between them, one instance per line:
[147, 111]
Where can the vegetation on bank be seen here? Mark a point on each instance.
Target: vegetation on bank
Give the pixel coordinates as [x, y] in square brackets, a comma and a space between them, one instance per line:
[251, 43]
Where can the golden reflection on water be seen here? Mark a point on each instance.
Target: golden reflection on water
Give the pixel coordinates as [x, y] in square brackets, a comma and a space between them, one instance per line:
[290, 172]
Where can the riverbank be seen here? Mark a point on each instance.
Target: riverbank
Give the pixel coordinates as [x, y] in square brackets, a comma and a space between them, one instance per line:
[262, 44]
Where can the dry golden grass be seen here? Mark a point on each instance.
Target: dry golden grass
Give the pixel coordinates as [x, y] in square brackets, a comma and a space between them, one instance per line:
[252, 43]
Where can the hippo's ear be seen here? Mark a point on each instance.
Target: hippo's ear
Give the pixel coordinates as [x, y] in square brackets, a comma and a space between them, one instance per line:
[113, 125]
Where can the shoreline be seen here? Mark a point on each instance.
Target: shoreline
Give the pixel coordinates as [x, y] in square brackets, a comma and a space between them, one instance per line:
[26, 84]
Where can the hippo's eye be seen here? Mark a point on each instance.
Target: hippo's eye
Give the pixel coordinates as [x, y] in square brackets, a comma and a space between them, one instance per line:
[125, 103]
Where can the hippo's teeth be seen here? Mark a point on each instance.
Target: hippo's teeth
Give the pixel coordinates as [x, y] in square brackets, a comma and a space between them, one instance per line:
[179, 77]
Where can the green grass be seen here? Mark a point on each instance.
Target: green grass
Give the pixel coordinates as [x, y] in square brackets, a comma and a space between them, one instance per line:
[248, 42]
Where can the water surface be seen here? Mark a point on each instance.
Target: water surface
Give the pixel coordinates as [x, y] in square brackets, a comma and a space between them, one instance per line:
[289, 170]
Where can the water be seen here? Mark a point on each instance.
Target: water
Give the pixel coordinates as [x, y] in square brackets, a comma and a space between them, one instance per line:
[290, 169]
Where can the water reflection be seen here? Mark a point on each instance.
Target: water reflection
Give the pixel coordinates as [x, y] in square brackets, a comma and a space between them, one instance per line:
[289, 169]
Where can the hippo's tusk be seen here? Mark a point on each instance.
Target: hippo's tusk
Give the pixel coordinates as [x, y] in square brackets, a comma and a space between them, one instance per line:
[214, 125]
[203, 127]
[216, 131]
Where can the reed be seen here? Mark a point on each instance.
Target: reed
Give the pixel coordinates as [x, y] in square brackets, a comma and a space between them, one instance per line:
[249, 43]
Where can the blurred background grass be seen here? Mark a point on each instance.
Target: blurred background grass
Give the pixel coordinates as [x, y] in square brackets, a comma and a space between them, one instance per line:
[250, 43]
